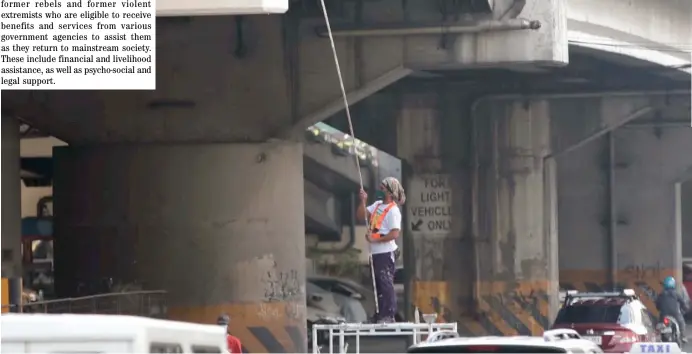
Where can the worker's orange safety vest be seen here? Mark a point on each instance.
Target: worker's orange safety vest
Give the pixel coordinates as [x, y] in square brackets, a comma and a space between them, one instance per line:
[377, 218]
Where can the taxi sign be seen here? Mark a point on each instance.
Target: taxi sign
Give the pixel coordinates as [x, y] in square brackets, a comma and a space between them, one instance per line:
[655, 348]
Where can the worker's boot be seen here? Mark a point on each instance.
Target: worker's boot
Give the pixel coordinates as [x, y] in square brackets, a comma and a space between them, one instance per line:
[386, 320]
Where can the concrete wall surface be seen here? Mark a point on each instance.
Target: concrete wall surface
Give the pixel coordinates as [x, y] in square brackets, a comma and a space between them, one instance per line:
[648, 163]
[11, 199]
[208, 223]
[654, 31]
[495, 266]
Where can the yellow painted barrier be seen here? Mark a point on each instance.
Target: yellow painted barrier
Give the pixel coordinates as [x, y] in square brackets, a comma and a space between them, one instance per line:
[271, 327]
[5, 288]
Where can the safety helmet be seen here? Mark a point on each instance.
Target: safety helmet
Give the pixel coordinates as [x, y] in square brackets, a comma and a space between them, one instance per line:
[669, 283]
[223, 320]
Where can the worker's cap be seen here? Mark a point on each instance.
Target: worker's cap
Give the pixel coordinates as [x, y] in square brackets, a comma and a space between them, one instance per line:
[223, 320]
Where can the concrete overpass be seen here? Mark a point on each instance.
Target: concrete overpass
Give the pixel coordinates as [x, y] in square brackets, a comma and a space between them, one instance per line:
[515, 134]
[330, 174]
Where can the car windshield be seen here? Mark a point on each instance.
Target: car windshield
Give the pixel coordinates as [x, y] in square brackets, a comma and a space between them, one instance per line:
[589, 314]
[488, 349]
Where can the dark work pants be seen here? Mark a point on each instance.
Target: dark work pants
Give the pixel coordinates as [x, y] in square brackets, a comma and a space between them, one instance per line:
[384, 269]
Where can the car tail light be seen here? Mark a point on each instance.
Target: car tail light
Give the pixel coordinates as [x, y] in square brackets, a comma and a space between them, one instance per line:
[666, 321]
[621, 337]
[483, 348]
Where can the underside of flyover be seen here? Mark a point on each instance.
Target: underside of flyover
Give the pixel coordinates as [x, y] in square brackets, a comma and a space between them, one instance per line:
[591, 155]
[331, 177]
[237, 210]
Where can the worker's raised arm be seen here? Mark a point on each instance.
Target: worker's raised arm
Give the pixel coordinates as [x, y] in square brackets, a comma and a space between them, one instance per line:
[361, 210]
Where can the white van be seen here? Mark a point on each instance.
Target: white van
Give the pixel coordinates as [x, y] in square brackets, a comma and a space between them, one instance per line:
[68, 333]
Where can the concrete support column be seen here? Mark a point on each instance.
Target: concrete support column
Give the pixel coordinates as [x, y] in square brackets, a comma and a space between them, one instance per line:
[433, 143]
[515, 242]
[11, 199]
[220, 227]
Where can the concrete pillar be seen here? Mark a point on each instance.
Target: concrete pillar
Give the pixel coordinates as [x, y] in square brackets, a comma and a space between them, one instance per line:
[481, 212]
[513, 218]
[432, 145]
[220, 227]
[11, 199]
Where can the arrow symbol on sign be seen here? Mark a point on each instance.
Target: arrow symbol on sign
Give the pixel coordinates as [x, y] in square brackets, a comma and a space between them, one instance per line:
[416, 226]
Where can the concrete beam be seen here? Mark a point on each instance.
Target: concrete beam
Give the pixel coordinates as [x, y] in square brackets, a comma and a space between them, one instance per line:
[352, 97]
[652, 31]
[322, 207]
[580, 118]
[39, 147]
[341, 168]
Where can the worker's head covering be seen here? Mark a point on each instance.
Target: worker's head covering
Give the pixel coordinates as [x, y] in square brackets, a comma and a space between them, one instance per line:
[394, 187]
[223, 320]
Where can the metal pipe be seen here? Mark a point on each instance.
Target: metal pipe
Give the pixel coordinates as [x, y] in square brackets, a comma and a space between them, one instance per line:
[403, 30]
[630, 117]
[612, 230]
[590, 94]
[662, 124]
[475, 227]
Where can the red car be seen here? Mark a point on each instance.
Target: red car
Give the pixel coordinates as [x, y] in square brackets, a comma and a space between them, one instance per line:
[687, 280]
[614, 320]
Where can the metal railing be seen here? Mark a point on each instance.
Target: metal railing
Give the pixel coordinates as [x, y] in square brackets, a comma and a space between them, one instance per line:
[136, 303]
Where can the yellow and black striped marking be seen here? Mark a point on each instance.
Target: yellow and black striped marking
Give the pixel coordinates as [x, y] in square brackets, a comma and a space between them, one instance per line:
[11, 294]
[647, 284]
[267, 327]
[505, 308]
[5, 288]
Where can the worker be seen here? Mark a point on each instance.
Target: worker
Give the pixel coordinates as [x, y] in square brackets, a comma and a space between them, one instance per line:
[385, 226]
[233, 343]
[671, 303]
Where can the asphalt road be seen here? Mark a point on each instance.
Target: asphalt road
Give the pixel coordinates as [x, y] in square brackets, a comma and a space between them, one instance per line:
[688, 347]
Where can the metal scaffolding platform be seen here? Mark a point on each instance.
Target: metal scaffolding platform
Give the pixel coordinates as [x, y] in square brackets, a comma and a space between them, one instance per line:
[357, 330]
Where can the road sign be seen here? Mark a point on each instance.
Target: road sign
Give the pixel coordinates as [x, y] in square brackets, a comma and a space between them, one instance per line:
[429, 204]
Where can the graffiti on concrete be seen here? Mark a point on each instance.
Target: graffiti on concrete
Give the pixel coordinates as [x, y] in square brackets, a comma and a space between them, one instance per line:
[643, 271]
[647, 290]
[431, 261]
[292, 310]
[267, 312]
[443, 312]
[281, 285]
[523, 311]
[530, 303]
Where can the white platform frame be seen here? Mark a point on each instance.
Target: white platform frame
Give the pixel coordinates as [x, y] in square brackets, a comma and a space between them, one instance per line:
[415, 330]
